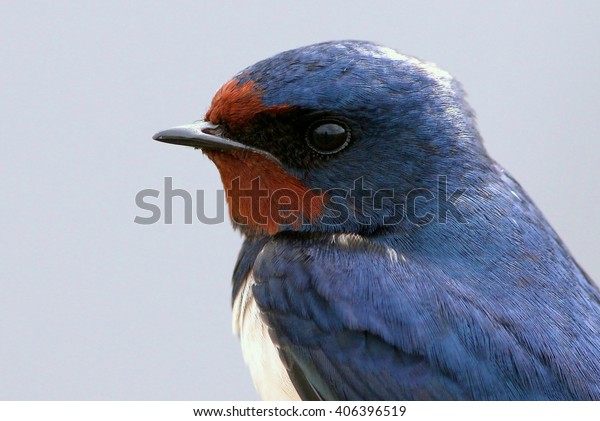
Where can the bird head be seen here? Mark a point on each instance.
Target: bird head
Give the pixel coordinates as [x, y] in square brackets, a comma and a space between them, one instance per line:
[308, 139]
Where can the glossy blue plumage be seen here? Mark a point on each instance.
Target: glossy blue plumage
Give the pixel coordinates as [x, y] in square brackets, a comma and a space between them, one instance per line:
[494, 308]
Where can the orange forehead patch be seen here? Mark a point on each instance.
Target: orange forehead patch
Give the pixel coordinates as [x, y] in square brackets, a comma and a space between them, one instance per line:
[237, 104]
[262, 196]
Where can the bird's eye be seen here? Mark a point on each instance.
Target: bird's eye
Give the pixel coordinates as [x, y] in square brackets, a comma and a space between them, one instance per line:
[328, 136]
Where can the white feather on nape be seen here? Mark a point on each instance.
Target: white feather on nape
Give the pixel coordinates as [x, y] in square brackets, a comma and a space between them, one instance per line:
[262, 358]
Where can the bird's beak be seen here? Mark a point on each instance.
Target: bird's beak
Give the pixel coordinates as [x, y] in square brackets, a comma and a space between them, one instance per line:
[205, 135]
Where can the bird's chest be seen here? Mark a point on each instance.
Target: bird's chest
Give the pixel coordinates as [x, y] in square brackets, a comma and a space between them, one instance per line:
[262, 357]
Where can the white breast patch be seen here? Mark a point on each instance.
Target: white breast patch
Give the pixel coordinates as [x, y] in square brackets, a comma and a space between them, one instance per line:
[268, 373]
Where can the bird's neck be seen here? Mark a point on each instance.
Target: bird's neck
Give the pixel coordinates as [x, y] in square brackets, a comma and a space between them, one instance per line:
[262, 197]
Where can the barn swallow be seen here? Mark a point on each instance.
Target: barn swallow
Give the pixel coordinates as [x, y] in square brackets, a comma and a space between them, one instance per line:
[386, 256]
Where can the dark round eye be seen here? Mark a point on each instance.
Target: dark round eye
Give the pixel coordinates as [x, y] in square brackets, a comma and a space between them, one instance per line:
[328, 136]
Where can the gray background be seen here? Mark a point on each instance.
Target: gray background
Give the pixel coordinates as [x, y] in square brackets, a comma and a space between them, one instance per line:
[94, 306]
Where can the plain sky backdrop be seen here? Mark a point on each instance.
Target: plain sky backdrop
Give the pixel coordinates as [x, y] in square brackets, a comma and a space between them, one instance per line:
[94, 306]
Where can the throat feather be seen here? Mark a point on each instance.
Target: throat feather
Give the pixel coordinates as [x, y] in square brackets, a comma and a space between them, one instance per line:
[262, 197]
